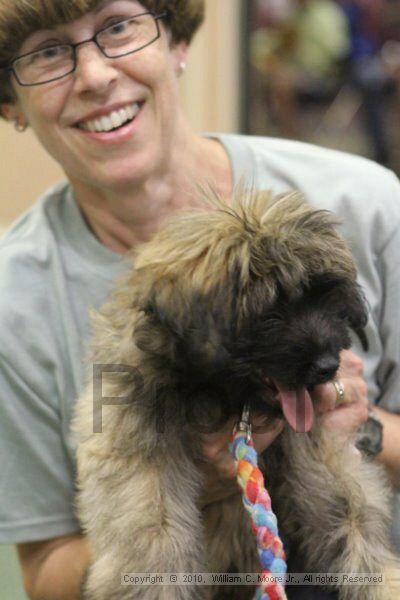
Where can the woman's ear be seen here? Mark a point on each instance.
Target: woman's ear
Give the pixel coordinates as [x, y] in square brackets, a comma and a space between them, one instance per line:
[13, 113]
[180, 52]
[9, 111]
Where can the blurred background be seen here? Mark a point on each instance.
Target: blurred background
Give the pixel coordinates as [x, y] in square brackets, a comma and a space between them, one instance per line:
[323, 71]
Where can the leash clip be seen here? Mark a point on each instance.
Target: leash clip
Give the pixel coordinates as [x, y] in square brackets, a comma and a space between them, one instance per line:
[244, 423]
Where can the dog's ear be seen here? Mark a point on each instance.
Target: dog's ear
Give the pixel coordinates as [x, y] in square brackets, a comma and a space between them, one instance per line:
[358, 315]
[185, 328]
[354, 307]
[347, 295]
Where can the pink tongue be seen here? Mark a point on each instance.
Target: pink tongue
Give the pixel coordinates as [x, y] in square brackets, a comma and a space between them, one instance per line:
[297, 408]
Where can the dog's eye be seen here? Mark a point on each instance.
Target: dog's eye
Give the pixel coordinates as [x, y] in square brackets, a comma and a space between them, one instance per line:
[148, 309]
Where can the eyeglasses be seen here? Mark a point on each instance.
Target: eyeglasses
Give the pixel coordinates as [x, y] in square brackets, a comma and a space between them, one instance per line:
[55, 62]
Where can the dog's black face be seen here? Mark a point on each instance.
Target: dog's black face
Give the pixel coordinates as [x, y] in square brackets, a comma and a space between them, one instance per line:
[271, 359]
[298, 340]
[295, 345]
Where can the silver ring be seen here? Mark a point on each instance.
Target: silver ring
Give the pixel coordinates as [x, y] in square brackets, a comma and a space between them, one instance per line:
[339, 388]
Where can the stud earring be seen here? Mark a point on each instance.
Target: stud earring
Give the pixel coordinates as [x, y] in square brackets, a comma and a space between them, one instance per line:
[182, 66]
[20, 127]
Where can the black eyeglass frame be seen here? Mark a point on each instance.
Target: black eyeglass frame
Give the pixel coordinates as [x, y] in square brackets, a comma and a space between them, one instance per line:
[9, 67]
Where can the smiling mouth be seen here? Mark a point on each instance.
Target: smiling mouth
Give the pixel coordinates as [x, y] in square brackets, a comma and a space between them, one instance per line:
[113, 121]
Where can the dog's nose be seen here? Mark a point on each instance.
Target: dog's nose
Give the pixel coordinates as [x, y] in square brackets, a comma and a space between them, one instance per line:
[325, 368]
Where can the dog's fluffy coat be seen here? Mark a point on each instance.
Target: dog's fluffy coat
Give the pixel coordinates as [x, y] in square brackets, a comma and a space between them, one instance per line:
[223, 306]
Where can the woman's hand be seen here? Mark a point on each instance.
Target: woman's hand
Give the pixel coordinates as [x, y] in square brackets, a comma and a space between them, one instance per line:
[216, 445]
[348, 415]
[219, 467]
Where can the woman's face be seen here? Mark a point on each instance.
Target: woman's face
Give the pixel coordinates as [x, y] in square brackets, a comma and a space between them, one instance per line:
[144, 84]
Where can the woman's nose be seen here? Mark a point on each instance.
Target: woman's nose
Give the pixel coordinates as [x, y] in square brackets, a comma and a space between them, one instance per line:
[94, 72]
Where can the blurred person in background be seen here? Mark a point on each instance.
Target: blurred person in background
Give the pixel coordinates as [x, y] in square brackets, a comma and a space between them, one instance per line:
[98, 83]
[367, 72]
[302, 48]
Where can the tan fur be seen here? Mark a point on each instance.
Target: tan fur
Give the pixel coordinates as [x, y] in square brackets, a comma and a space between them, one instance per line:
[139, 490]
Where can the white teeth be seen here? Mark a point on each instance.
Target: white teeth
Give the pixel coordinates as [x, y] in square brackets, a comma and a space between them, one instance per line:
[106, 124]
[130, 112]
[111, 121]
[116, 119]
[123, 115]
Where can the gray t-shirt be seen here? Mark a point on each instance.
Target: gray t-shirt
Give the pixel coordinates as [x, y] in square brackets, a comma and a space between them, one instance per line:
[53, 270]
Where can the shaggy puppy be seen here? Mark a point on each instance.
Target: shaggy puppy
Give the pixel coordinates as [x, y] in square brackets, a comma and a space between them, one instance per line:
[250, 303]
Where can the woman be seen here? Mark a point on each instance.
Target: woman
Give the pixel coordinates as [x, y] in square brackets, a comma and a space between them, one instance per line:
[97, 81]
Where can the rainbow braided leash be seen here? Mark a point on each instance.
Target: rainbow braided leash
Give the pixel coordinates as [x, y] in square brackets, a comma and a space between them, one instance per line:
[258, 503]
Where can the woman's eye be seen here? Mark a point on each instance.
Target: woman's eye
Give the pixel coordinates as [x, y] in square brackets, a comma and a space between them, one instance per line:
[51, 52]
[48, 57]
[47, 54]
[128, 27]
[118, 28]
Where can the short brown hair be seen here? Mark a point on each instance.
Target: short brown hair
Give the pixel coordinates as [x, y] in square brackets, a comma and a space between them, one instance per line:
[20, 18]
